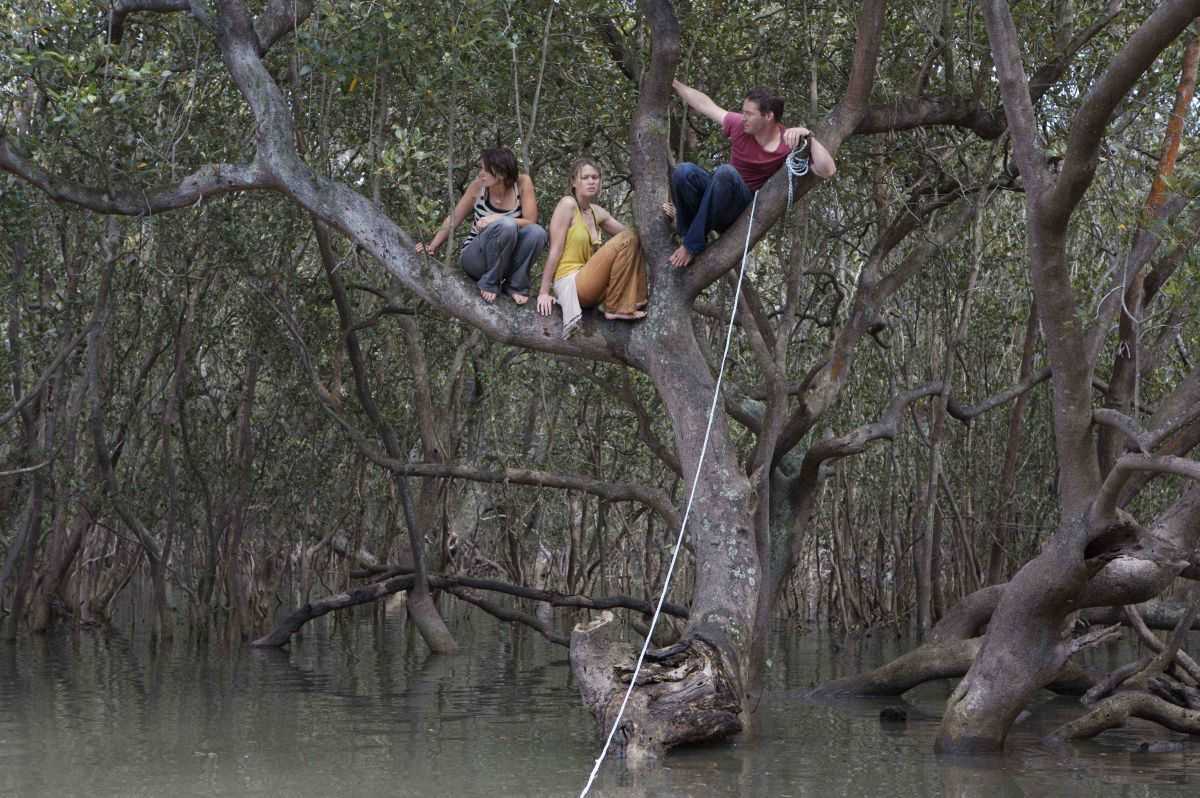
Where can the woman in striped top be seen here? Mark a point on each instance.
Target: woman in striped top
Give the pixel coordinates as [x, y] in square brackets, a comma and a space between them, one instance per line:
[505, 237]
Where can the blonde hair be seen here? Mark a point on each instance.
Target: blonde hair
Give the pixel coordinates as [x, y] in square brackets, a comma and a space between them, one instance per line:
[577, 166]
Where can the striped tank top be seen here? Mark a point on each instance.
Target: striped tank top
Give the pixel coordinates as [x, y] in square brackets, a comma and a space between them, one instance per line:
[483, 206]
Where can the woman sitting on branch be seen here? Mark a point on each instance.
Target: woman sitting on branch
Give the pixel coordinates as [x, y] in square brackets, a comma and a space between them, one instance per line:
[584, 273]
[505, 237]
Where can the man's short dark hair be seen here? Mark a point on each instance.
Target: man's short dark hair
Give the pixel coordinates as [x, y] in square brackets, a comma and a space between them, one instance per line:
[501, 162]
[767, 102]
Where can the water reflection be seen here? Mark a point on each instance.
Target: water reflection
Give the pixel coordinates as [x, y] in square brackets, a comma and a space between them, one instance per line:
[978, 777]
[359, 707]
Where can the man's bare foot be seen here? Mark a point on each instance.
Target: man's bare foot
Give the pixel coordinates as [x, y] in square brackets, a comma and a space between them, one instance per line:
[668, 210]
[520, 299]
[681, 257]
[488, 296]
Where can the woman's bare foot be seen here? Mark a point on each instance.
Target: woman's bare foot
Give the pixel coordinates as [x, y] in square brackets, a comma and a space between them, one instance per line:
[488, 296]
[680, 257]
[637, 314]
[520, 299]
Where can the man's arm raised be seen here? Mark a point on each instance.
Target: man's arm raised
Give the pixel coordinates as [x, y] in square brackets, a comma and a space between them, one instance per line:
[699, 102]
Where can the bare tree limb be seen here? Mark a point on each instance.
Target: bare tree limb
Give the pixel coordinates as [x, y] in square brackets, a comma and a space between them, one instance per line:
[36, 389]
[910, 113]
[1133, 616]
[1164, 25]
[624, 393]
[1105, 507]
[966, 112]
[857, 440]
[653, 498]
[1113, 712]
[123, 8]
[824, 384]
[511, 615]
[1014, 91]
[208, 181]
[1123, 423]
[278, 19]
[1094, 637]
[293, 622]
[971, 412]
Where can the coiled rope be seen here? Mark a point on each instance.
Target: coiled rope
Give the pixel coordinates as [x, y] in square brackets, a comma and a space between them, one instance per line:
[797, 164]
[712, 411]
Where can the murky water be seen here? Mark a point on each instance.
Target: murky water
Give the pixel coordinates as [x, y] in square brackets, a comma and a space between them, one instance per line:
[362, 709]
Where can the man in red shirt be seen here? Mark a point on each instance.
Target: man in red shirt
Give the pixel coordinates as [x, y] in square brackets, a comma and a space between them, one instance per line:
[760, 144]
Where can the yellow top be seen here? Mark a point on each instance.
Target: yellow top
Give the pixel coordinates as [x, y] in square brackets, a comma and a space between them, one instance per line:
[578, 247]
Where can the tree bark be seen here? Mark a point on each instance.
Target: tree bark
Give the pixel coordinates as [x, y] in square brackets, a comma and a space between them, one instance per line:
[1024, 648]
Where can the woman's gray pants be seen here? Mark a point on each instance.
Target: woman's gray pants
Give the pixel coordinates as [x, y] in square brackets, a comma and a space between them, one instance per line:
[503, 253]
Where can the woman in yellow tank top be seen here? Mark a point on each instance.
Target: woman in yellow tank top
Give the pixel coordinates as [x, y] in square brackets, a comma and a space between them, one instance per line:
[583, 273]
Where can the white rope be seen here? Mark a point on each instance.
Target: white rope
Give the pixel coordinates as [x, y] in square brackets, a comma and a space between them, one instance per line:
[797, 166]
[712, 411]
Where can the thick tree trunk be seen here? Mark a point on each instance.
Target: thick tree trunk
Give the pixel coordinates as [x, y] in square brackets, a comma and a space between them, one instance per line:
[1025, 647]
[720, 629]
[685, 694]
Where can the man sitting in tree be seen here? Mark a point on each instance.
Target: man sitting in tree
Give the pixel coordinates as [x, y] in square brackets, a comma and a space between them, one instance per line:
[759, 145]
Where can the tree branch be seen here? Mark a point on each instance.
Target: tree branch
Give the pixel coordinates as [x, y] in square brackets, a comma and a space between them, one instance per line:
[1164, 25]
[966, 112]
[1124, 424]
[365, 223]
[624, 393]
[1014, 91]
[1105, 506]
[856, 441]
[971, 412]
[909, 113]
[395, 584]
[212, 180]
[546, 630]
[1094, 637]
[123, 8]
[556, 599]
[278, 19]
[653, 498]
[1113, 712]
[825, 382]
[36, 389]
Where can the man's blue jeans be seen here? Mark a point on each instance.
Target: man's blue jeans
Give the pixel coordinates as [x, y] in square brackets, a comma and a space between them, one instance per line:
[706, 201]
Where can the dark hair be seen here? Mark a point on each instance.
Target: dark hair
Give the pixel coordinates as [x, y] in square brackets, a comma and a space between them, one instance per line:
[501, 162]
[576, 165]
[767, 102]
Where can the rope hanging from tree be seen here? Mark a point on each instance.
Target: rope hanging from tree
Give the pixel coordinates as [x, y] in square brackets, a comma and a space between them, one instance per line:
[712, 412]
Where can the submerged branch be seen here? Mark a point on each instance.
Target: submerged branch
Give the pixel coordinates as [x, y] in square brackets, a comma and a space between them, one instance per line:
[1114, 712]
[294, 621]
